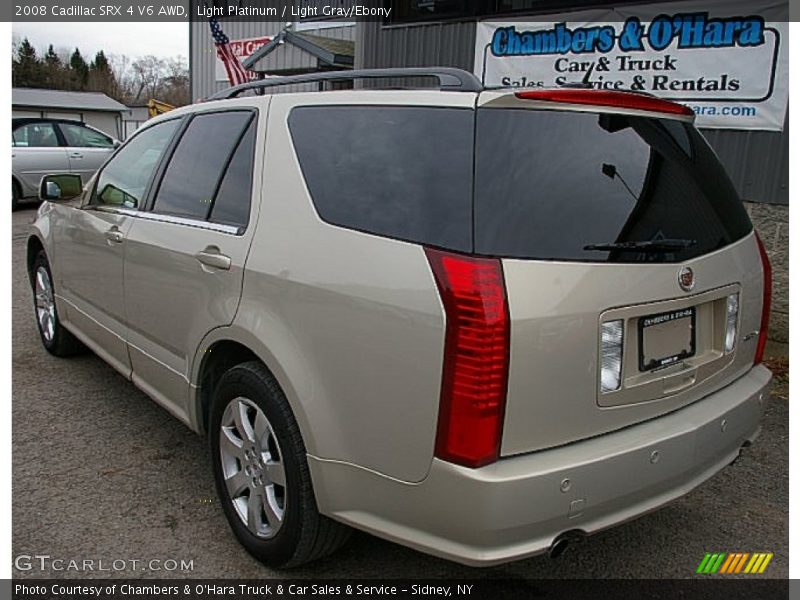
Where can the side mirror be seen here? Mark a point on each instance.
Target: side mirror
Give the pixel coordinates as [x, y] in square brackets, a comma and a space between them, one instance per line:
[60, 187]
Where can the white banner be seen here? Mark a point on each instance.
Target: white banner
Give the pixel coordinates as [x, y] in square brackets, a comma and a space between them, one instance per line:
[731, 67]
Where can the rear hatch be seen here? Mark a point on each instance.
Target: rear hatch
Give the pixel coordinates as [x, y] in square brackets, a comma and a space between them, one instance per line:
[633, 277]
[594, 264]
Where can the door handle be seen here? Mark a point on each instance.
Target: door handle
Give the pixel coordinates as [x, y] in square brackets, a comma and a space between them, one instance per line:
[211, 257]
[114, 235]
[76, 155]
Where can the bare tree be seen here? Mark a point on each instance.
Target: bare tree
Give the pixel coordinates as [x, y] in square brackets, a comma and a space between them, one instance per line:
[149, 71]
[176, 81]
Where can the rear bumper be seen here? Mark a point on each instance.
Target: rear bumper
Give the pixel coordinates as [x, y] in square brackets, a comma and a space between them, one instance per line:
[517, 507]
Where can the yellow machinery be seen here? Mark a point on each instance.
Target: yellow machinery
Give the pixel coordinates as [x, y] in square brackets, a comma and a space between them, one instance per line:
[156, 107]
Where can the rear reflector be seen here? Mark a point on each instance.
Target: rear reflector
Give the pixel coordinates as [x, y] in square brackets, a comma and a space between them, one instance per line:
[615, 99]
[766, 303]
[476, 355]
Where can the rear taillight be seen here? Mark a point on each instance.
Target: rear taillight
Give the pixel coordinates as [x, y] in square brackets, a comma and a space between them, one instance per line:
[476, 355]
[628, 100]
[766, 303]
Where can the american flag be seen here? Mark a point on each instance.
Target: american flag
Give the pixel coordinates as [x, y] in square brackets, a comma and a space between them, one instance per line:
[235, 70]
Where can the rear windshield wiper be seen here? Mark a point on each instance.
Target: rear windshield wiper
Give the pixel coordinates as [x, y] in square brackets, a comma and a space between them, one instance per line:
[645, 246]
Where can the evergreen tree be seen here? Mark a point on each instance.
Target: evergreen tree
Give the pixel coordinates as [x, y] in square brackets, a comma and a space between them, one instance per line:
[100, 62]
[101, 76]
[27, 70]
[79, 70]
[51, 59]
[55, 75]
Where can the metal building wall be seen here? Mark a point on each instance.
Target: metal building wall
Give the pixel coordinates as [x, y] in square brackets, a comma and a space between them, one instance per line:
[422, 45]
[758, 161]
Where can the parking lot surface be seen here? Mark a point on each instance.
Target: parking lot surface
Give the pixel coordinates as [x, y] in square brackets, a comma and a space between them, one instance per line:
[101, 473]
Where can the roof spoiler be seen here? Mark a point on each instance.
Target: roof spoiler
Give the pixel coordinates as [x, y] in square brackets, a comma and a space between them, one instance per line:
[628, 100]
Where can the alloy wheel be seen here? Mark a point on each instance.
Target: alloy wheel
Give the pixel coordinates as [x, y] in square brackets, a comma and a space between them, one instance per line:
[45, 304]
[252, 467]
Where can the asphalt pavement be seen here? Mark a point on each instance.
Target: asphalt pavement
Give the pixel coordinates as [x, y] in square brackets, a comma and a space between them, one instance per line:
[102, 474]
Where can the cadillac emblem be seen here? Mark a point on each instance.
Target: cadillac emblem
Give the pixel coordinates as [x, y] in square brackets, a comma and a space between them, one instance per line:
[686, 279]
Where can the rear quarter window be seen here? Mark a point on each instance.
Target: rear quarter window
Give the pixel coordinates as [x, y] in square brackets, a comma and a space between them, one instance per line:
[401, 172]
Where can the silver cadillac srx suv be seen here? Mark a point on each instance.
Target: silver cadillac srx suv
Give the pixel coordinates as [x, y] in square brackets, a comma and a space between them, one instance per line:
[473, 321]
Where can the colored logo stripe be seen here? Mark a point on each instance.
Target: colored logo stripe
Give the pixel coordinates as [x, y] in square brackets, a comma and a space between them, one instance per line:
[727, 564]
[734, 562]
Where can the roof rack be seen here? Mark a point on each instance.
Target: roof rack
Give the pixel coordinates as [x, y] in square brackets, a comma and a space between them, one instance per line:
[450, 79]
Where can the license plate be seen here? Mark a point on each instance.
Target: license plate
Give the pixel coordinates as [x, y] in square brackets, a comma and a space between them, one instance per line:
[666, 338]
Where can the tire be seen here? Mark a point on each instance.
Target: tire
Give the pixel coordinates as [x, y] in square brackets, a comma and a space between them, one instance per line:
[278, 524]
[16, 195]
[55, 338]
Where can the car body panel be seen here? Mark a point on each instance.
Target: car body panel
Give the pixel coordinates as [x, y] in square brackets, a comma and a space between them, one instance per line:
[556, 312]
[29, 165]
[160, 264]
[86, 161]
[88, 271]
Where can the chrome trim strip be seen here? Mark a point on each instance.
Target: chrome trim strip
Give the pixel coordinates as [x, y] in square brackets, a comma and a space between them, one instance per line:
[150, 216]
[124, 340]
[91, 318]
[157, 361]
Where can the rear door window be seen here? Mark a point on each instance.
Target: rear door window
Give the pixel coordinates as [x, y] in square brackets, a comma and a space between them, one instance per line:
[195, 170]
[397, 171]
[232, 203]
[557, 184]
[83, 137]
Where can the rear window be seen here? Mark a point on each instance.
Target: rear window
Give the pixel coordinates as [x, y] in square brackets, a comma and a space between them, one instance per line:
[552, 184]
[534, 184]
[401, 172]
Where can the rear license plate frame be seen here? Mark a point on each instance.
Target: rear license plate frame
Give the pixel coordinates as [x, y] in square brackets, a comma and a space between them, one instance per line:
[648, 321]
